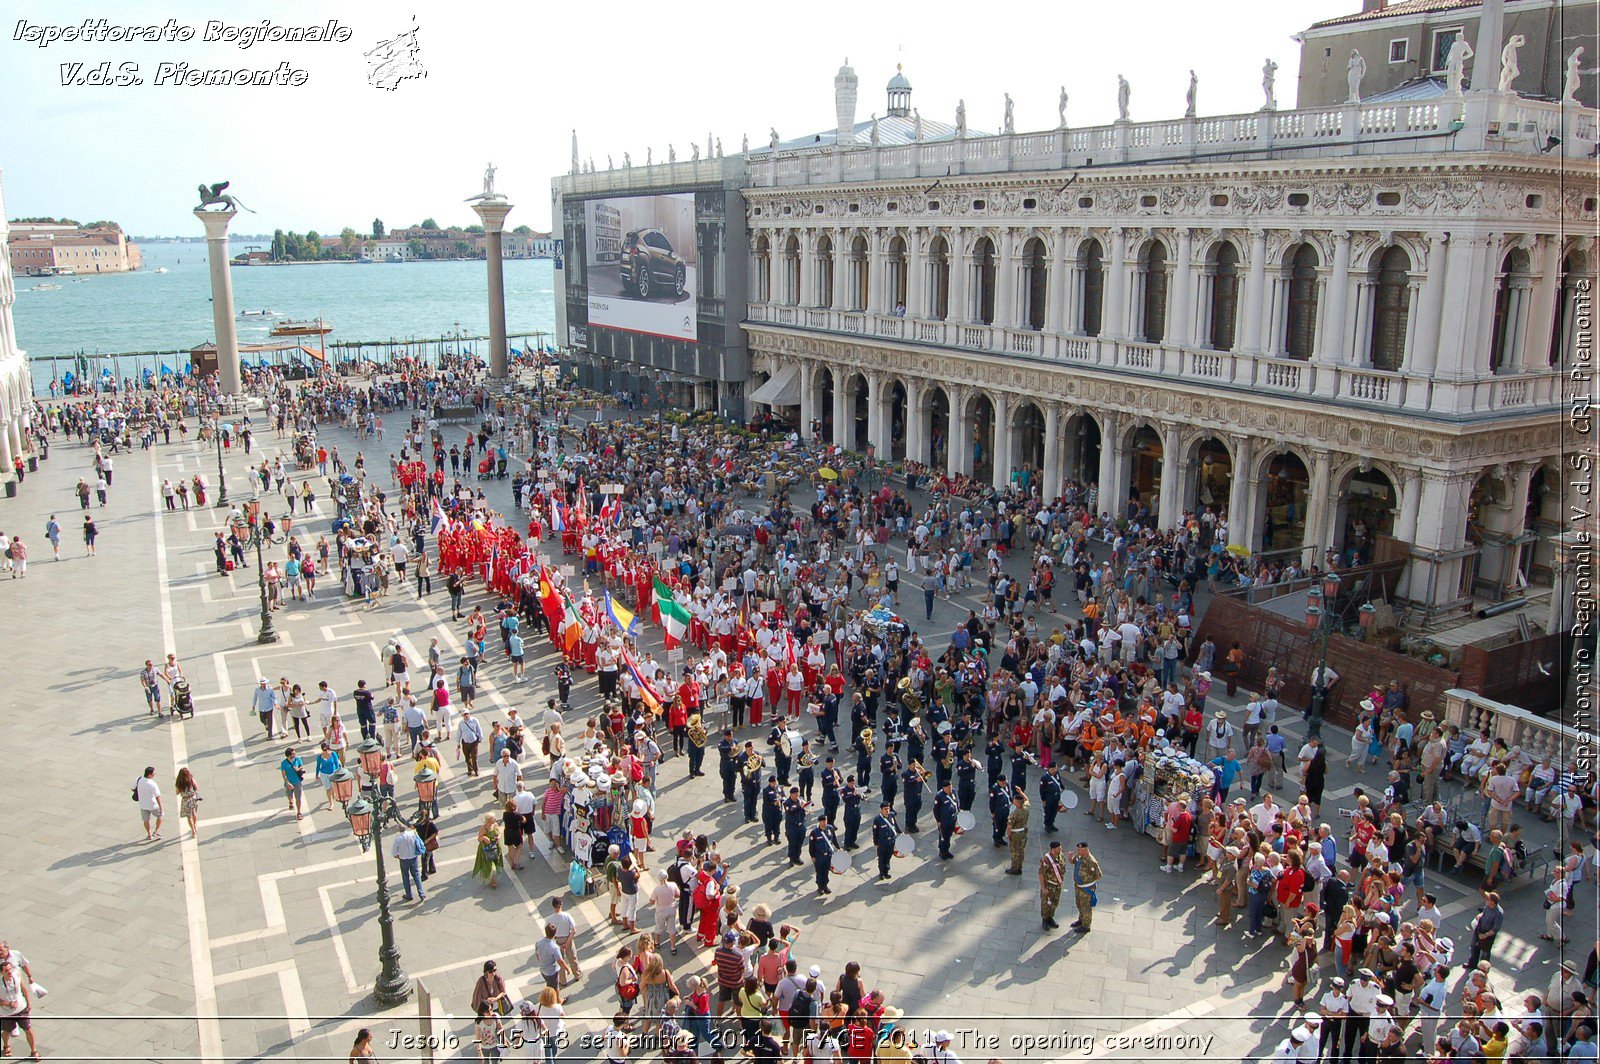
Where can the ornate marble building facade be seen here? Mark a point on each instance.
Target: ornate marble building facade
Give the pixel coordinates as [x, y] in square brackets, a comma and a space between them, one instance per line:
[16, 386]
[1324, 321]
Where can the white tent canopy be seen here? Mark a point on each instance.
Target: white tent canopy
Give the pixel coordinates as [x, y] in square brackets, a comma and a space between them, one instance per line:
[781, 389]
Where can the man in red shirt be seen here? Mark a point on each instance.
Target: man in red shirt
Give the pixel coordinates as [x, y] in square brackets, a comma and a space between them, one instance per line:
[1179, 825]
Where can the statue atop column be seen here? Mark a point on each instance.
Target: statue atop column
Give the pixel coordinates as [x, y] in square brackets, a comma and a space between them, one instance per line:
[872, 135]
[1190, 98]
[213, 194]
[719, 147]
[489, 195]
[1123, 93]
[1061, 109]
[1508, 61]
[627, 161]
[1269, 79]
[1455, 64]
[1569, 90]
[672, 154]
[916, 124]
[772, 140]
[1355, 70]
[1009, 123]
[694, 152]
[961, 118]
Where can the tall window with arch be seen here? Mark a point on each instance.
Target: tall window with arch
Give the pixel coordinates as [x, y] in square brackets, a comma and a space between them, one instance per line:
[1224, 296]
[1300, 324]
[1037, 272]
[1510, 308]
[1153, 277]
[983, 259]
[1092, 296]
[939, 279]
[1391, 307]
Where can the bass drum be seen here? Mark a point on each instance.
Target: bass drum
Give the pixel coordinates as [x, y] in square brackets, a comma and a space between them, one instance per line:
[1069, 800]
[965, 821]
[905, 845]
[839, 862]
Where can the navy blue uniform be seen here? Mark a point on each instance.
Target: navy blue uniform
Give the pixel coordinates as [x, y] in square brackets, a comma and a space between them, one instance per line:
[945, 810]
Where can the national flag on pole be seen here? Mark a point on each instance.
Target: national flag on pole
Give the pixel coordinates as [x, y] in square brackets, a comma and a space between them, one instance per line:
[558, 520]
[647, 690]
[622, 617]
[674, 615]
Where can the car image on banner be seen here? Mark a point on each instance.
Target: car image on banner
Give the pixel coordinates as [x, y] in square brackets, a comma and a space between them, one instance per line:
[641, 259]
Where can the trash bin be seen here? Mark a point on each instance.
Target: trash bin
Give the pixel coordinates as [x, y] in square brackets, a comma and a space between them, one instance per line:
[33, 463]
[11, 489]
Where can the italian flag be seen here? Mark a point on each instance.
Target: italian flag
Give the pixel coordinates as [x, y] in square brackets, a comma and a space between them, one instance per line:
[674, 617]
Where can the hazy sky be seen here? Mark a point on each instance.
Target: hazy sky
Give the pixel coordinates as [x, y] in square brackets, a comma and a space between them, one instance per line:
[508, 82]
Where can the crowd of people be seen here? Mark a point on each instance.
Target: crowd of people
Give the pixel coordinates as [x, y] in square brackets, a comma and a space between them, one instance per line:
[788, 603]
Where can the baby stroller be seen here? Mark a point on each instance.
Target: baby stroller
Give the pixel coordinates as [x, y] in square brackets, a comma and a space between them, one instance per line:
[486, 469]
[182, 699]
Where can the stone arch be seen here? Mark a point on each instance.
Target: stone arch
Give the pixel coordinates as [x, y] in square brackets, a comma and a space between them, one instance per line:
[823, 265]
[1144, 451]
[1035, 260]
[986, 277]
[789, 275]
[1091, 294]
[980, 414]
[763, 278]
[1209, 457]
[1283, 497]
[937, 408]
[824, 382]
[1081, 435]
[897, 281]
[1366, 505]
[857, 410]
[1027, 430]
[1390, 269]
[897, 417]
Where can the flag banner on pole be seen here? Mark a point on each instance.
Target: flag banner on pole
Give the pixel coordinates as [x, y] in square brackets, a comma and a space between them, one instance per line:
[647, 690]
[674, 616]
[622, 617]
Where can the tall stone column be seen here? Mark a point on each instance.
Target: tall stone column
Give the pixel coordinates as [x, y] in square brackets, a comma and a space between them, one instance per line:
[1255, 292]
[1114, 316]
[916, 422]
[1541, 319]
[1171, 476]
[808, 398]
[1182, 309]
[492, 213]
[1003, 441]
[1110, 494]
[958, 448]
[960, 280]
[222, 314]
[1335, 331]
[841, 271]
[1055, 290]
[1242, 493]
[808, 268]
[877, 283]
[1052, 450]
[1005, 276]
[1318, 508]
[877, 414]
[844, 422]
[916, 279]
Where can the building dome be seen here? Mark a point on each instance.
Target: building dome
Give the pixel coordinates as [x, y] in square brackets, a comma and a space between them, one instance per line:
[899, 93]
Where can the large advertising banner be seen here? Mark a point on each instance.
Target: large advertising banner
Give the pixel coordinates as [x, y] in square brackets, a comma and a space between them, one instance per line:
[642, 267]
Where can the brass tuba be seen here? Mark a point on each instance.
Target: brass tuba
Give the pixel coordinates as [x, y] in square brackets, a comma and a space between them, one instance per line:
[866, 739]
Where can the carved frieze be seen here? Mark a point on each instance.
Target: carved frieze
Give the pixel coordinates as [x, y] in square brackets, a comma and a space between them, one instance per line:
[1387, 438]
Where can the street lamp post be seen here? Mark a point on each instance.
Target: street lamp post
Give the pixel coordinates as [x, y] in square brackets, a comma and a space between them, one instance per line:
[222, 477]
[368, 816]
[1323, 614]
[267, 634]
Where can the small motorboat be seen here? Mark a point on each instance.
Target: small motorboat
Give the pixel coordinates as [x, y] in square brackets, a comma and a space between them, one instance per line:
[46, 287]
[162, 269]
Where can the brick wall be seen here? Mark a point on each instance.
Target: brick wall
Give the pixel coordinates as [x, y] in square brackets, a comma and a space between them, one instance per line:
[1512, 674]
[1270, 639]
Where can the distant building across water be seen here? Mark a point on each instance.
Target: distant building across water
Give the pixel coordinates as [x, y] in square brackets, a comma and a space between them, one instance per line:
[44, 249]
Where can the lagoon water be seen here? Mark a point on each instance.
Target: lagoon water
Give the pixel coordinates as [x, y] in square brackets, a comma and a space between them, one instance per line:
[149, 311]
